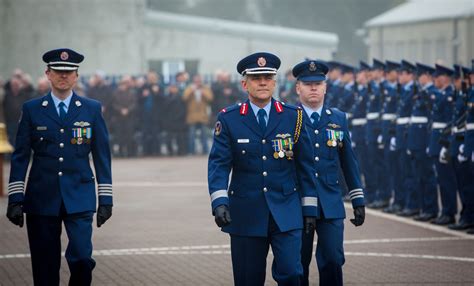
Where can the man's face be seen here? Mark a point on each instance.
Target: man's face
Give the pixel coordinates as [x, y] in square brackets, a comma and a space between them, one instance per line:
[392, 76]
[311, 93]
[62, 81]
[423, 79]
[260, 87]
[405, 77]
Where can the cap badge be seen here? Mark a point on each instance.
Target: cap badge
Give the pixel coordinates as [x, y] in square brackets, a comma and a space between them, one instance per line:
[78, 103]
[312, 66]
[261, 62]
[44, 103]
[64, 56]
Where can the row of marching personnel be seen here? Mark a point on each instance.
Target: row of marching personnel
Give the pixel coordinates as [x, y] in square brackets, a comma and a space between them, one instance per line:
[412, 127]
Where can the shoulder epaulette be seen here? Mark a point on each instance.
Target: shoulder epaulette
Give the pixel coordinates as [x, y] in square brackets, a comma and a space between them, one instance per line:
[230, 108]
[290, 106]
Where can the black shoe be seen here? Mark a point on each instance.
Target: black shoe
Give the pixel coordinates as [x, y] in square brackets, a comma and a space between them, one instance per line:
[380, 204]
[392, 209]
[444, 220]
[424, 217]
[470, 231]
[462, 225]
[408, 213]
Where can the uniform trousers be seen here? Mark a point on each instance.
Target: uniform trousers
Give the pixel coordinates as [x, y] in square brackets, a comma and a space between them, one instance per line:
[44, 236]
[406, 185]
[465, 178]
[329, 252]
[249, 257]
[424, 194]
[448, 186]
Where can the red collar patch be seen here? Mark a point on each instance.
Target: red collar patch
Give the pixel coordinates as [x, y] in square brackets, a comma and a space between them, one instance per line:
[244, 108]
[278, 106]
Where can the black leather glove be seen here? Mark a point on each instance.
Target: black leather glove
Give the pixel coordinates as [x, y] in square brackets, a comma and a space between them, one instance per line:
[222, 216]
[15, 213]
[309, 224]
[359, 216]
[103, 214]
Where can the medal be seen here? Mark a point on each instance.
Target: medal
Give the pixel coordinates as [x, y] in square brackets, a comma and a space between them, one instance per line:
[79, 140]
[281, 154]
[73, 141]
[275, 155]
[340, 144]
[329, 143]
[289, 155]
[333, 143]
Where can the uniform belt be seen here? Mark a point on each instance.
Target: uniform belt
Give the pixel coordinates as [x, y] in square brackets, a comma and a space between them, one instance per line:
[458, 130]
[389, 116]
[372, 115]
[418, 119]
[470, 126]
[438, 125]
[403, 120]
[359, 121]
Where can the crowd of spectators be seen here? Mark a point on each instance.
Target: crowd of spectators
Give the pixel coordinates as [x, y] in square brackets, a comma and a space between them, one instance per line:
[145, 115]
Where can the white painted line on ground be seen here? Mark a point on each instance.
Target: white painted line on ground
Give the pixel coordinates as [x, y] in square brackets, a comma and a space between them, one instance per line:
[410, 221]
[225, 249]
[144, 184]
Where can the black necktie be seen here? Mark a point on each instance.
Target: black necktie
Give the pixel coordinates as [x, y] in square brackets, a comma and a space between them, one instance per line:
[62, 110]
[315, 117]
[261, 119]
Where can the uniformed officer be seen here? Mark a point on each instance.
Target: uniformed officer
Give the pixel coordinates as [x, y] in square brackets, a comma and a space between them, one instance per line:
[62, 129]
[334, 84]
[462, 167]
[332, 147]
[424, 195]
[442, 114]
[266, 147]
[389, 174]
[468, 148]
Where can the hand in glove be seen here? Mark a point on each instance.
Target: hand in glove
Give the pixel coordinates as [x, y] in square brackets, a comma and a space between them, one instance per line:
[359, 216]
[15, 214]
[309, 224]
[380, 139]
[443, 156]
[103, 214]
[393, 144]
[222, 216]
[461, 157]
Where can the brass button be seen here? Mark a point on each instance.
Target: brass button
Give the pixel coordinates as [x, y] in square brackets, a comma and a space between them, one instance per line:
[316, 158]
[60, 174]
[317, 175]
[316, 131]
[264, 141]
[264, 173]
[61, 145]
[61, 159]
[41, 138]
[61, 130]
[316, 145]
[243, 151]
[265, 189]
[264, 158]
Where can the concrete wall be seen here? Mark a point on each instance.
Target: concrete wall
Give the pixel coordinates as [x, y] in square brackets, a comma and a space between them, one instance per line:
[107, 32]
[447, 41]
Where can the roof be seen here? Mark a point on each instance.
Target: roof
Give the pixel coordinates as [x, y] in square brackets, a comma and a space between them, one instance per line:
[241, 29]
[424, 10]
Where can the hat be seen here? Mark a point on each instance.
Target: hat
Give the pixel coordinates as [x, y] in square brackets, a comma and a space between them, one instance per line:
[347, 68]
[259, 63]
[311, 70]
[363, 66]
[378, 65]
[457, 71]
[390, 66]
[466, 71]
[407, 67]
[442, 70]
[333, 65]
[63, 59]
[424, 69]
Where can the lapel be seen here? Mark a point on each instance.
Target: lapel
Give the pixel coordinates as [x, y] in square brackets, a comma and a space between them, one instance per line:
[325, 117]
[250, 120]
[73, 109]
[274, 119]
[50, 109]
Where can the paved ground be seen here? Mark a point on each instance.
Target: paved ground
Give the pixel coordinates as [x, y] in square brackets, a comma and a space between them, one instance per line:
[162, 233]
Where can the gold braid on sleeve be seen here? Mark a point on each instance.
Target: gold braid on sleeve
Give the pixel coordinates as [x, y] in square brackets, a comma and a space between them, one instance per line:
[299, 123]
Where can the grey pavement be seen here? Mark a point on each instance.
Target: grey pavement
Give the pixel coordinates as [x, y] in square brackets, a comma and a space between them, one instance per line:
[162, 233]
